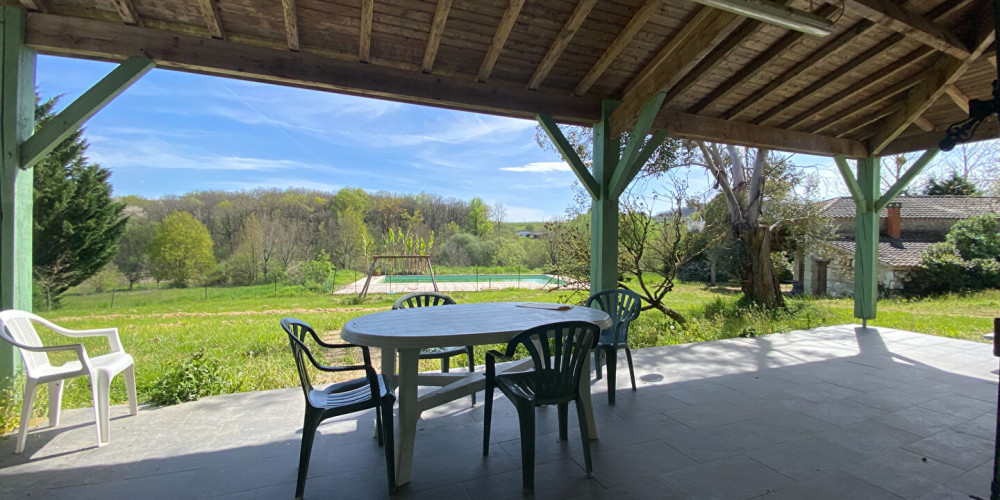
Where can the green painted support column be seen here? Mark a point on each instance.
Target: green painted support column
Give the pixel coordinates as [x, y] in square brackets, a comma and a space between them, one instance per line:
[17, 120]
[866, 240]
[604, 208]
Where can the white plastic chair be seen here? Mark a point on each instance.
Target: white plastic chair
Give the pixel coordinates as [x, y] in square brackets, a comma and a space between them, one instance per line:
[16, 328]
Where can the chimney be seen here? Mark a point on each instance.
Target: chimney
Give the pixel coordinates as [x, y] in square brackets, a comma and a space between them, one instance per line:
[892, 221]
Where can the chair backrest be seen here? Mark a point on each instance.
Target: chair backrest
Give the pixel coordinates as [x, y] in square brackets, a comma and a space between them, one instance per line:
[17, 328]
[422, 299]
[297, 331]
[558, 352]
[622, 305]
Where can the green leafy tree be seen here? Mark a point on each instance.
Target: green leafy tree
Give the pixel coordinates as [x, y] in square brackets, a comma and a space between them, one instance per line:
[181, 250]
[479, 217]
[76, 222]
[954, 185]
[133, 250]
[976, 238]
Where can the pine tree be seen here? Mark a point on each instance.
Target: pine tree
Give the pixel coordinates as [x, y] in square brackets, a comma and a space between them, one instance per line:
[76, 222]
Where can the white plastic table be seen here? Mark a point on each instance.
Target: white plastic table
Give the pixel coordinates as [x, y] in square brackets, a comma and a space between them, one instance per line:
[406, 331]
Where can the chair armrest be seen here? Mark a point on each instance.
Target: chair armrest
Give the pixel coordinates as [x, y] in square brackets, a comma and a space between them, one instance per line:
[491, 362]
[79, 349]
[111, 333]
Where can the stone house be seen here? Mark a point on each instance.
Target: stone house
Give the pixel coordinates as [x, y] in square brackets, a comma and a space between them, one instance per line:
[907, 226]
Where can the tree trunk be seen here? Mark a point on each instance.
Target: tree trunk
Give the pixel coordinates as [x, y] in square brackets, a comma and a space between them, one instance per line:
[674, 315]
[759, 283]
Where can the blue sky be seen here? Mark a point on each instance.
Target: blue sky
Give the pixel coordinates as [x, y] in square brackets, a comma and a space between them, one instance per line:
[173, 132]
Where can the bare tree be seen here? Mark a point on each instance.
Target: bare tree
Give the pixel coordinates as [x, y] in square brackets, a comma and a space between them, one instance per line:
[499, 213]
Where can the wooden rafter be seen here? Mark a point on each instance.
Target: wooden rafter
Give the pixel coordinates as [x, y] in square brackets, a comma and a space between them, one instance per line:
[291, 24]
[618, 45]
[958, 97]
[924, 124]
[864, 105]
[758, 63]
[365, 44]
[903, 20]
[126, 10]
[816, 57]
[434, 37]
[34, 5]
[687, 48]
[988, 130]
[499, 39]
[561, 42]
[710, 61]
[945, 72]
[211, 13]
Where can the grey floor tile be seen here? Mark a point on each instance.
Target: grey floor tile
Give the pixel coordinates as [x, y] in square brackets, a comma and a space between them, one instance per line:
[711, 415]
[835, 486]
[809, 457]
[904, 473]
[960, 406]
[560, 479]
[631, 463]
[727, 479]
[870, 437]
[920, 421]
[962, 450]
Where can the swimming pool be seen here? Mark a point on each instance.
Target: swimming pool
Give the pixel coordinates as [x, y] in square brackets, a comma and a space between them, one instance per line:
[542, 279]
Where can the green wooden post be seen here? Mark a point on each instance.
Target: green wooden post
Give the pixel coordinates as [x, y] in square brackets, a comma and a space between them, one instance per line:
[604, 207]
[17, 120]
[866, 240]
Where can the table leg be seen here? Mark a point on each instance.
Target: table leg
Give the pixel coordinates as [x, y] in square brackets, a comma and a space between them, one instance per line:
[409, 412]
[389, 372]
[588, 406]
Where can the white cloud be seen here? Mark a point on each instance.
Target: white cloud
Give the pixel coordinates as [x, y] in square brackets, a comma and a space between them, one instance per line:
[540, 167]
[278, 183]
[157, 154]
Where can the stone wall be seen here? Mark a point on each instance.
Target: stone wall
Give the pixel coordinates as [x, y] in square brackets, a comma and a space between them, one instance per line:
[840, 271]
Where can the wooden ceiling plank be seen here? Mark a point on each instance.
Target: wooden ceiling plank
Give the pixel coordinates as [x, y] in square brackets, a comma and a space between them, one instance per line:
[34, 5]
[686, 49]
[688, 126]
[561, 42]
[859, 86]
[618, 45]
[499, 39]
[291, 24]
[211, 12]
[816, 57]
[906, 22]
[924, 124]
[860, 106]
[719, 53]
[365, 45]
[758, 63]
[945, 72]
[126, 10]
[958, 97]
[434, 38]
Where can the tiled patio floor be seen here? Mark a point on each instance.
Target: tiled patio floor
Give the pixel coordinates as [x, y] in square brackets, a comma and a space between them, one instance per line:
[831, 413]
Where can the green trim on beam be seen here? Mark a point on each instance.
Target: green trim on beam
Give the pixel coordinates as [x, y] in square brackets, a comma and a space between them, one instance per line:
[626, 169]
[626, 173]
[604, 210]
[70, 119]
[562, 145]
[906, 178]
[866, 242]
[852, 183]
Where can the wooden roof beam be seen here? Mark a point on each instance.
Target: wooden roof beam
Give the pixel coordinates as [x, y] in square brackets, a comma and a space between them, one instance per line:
[34, 5]
[946, 71]
[618, 45]
[365, 44]
[816, 57]
[861, 106]
[719, 53]
[126, 10]
[434, 38]
[903, 20]
[499, 39]
[291, 24]
[687, 48]
[759, 62]
[958, 97]
[211, 12]
[924, 124]
[561, 42]
[989, 130]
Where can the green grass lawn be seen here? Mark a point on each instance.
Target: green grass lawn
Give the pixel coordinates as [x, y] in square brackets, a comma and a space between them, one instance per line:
[238, 327]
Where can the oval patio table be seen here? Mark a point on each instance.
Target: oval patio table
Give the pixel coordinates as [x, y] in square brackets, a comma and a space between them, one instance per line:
[406, 331]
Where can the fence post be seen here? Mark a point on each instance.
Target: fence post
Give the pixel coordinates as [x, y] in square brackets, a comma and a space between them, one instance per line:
[113, 298]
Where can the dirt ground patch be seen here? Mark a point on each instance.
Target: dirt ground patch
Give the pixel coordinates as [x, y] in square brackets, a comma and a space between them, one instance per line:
[268, 312]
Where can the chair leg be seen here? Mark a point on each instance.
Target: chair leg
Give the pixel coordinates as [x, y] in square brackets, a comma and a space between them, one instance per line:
[390, 447]
[585, 434]
[133, 401]
[472, 367]
[487, 417]
[631, 369]
[309, 425]
[445, 364]
[27, 401]
[104, 412]
[597, 362]
[611, 360]
[563, 417]
[55, 402]
[379, 434]
[96, 396]
[526, 417]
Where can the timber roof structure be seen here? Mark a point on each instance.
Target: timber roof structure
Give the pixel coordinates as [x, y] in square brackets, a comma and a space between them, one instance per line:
[891, 78]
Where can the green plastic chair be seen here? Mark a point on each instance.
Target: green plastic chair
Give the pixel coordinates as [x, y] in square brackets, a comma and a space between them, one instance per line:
[372, 391]
[623, 306]
[558, 352]
[428, 299]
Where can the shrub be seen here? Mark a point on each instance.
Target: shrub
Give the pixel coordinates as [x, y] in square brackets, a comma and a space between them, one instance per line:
[10, 405]
[976, 238]
[316, 274]
[189, 381]
[942, 270]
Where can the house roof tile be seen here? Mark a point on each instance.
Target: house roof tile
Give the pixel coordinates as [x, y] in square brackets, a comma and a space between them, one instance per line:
[902, 252]
[924, 207]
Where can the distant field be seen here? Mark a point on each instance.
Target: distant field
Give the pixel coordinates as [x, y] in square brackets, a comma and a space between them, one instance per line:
[238, 327]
